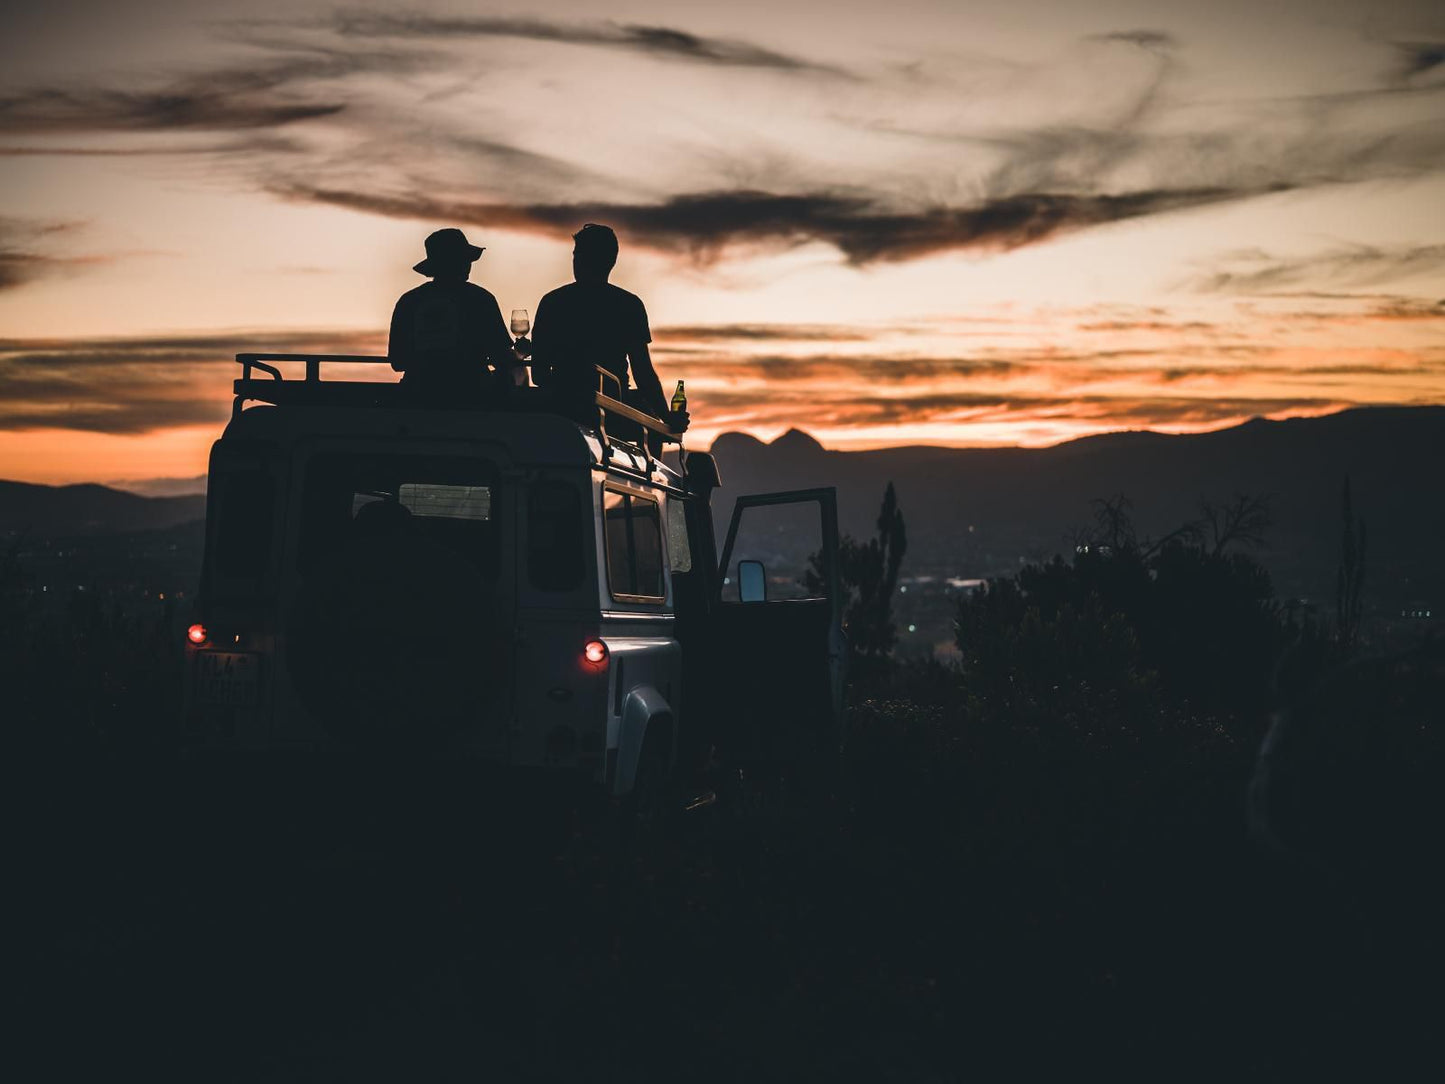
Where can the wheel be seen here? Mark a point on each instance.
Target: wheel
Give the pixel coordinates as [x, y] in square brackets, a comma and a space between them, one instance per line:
[652, 807]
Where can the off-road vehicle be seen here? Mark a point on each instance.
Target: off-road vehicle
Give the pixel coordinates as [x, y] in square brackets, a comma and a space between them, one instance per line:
[494, 581]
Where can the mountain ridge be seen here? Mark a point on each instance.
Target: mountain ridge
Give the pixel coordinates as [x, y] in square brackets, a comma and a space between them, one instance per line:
[980, 511]
[89, 508]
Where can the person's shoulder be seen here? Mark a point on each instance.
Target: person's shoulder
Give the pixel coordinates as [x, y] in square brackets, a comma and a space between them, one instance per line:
[623, 296]
[416, 293]
[621, 300]
[567, 289]
[478, 293]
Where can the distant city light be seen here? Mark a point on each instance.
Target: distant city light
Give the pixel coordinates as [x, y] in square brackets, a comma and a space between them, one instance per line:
[912, 628]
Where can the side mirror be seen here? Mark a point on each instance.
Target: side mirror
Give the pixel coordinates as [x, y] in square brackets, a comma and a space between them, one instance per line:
[752, 582]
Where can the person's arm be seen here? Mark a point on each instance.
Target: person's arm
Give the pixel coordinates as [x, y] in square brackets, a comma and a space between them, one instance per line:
[650, 385]
[398, 339]
[498, 340]
[542, 370]
[646, 378]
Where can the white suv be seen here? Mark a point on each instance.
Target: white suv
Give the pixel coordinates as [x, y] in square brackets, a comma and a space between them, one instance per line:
[498, 582]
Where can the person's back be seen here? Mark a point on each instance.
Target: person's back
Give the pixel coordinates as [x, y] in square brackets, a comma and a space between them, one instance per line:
[589, 324]
[586, 325]
[445, 332]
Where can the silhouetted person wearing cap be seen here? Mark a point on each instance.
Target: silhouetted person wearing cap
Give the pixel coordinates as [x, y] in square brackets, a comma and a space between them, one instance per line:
[591, 323]
[446, 332]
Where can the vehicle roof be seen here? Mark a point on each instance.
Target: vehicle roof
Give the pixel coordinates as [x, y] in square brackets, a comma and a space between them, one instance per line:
[531, 439]
[522, 419]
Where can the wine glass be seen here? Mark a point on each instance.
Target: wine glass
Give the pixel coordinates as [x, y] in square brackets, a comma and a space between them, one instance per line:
[521, 324]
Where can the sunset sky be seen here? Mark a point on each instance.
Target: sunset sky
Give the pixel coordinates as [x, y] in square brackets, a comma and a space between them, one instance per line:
[1003, 222]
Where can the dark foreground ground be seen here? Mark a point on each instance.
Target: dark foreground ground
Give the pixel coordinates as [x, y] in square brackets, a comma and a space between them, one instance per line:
[360, 926]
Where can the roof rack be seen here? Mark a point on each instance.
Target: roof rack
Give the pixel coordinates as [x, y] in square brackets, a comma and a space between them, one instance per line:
[313, 391]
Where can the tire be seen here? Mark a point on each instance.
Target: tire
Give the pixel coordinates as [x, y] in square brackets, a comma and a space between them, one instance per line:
[651, 808]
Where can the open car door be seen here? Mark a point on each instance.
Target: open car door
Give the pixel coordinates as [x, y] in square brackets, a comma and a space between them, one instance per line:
[778, 646]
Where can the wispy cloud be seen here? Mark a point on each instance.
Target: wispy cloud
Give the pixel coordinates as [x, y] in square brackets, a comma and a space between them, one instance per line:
[194, 105]
[1140, 157]
[274, 88]
[1143, 38]
[981, 408]
[251, 145]
[1256, 272]
[865, 374]
[138, 385]
[765, 332]
[24, 255]
[664, 42]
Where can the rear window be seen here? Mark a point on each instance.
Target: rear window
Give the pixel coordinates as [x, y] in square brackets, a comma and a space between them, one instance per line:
[446, 498]
[245, 502]
[634, 545]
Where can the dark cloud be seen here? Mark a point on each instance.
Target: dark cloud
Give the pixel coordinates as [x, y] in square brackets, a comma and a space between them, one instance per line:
[1146, 325]
[253, 145]
[832, 373]
[862, 228]
[137, 385]
[18, 267]
[196, 106]
[1177, 373]
[1359, 265]
[1145, 39]
[23, 253]
[1419, 57]
[1407, 309]
[806, 408]
[659, 41]
[764, 332]
[845, 371]
[269, 92]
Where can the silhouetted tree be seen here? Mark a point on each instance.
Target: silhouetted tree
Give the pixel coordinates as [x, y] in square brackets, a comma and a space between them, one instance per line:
[1121, 612]
[1114, 523]
[1350, 579]
[1243, 521]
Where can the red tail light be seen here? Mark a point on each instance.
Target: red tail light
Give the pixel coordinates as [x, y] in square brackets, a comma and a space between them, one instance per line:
[196, 634]
[595, 653]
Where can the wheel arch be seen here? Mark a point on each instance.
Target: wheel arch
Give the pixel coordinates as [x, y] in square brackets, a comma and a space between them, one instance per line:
[646, 716]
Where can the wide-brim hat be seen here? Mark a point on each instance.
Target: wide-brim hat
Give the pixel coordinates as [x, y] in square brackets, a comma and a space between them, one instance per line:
[446, 245]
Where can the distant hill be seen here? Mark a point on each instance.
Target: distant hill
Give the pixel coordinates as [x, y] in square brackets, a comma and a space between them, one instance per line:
[163, 487]
[54, 511]
[978, 511]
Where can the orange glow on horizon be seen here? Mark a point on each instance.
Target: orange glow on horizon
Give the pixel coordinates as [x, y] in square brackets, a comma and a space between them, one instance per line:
[64, 457]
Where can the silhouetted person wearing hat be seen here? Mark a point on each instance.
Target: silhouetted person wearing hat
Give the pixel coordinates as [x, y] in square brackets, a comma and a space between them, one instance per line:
[591, 323]
[446, 332]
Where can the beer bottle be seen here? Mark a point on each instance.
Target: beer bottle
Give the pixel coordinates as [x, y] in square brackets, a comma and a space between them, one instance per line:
[679, 399]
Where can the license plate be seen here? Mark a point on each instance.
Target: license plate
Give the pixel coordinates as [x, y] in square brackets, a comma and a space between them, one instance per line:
[228, 678]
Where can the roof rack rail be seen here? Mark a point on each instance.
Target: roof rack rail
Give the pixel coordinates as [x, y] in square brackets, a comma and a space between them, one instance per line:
[279, 391]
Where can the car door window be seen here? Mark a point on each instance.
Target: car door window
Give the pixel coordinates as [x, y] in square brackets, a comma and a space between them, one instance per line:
[633, 534]
[787, 540]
